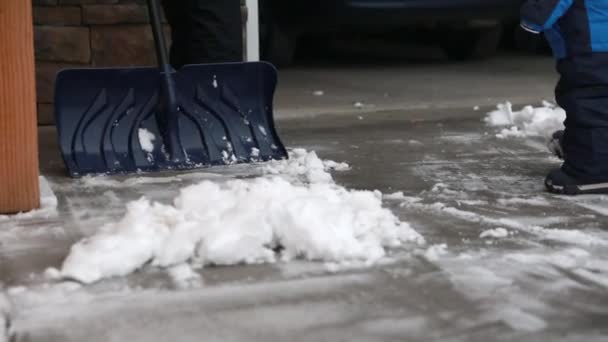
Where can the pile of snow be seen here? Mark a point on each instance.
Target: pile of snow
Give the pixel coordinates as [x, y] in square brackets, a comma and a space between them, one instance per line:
[246, 221]
[530, 121]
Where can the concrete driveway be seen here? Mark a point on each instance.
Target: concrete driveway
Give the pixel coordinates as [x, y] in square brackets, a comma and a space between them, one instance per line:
[545, 280]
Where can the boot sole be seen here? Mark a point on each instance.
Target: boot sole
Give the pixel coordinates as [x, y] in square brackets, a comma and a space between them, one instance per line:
[572, 190]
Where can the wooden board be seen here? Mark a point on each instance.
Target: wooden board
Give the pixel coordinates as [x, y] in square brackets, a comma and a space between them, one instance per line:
[19, 188]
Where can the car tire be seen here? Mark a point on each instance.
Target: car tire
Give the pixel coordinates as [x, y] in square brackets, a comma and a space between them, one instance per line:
[476, 43]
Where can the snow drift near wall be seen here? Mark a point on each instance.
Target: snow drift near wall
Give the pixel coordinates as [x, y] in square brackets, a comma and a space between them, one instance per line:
[246, 221]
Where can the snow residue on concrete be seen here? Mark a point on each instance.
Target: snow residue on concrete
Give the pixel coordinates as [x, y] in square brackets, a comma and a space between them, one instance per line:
[494, 233]
[103, 181]
[48, 204]
[435, 252]
[146, 140]
[530, 121]
[534, 201]
[184, 276]
[335, 166]
[588, 268]
[5, 309]
[305, 166]
[51, 273]
[569, 236]
[597, 204]
[246, 221]
[395, 196]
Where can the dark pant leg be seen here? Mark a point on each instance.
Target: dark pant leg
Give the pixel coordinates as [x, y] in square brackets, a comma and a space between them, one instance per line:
[177, 15]
[204, 31]
[583, 93]
[216, 32]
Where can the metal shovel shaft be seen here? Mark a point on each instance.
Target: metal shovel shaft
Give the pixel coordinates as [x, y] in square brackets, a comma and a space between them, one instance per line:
[169, 109]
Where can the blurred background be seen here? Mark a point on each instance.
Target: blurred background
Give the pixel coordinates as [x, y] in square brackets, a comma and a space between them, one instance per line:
[294, 34]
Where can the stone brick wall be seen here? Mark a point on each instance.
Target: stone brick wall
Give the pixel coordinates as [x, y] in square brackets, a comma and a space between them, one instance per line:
[77, 33]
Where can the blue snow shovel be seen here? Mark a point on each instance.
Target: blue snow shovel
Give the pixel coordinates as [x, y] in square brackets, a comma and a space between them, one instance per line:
[149, 119]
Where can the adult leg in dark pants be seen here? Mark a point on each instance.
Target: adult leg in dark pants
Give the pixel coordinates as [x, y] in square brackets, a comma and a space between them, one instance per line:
[205, 31]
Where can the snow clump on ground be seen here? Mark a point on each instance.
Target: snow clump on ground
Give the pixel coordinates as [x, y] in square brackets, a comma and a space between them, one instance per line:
[530, 121]
[260, 220]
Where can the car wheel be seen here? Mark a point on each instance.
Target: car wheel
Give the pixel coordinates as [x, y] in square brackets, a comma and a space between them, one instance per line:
[471, 43]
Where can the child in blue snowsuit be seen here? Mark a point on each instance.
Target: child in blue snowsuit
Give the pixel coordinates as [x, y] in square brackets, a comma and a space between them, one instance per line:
[577, 31]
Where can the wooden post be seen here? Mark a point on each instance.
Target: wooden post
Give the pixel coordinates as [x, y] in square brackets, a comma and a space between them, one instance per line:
[19, 188]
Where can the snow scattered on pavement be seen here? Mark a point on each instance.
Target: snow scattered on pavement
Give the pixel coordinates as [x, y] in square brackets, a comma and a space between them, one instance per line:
[104, 181]
[570, 236]
[530, 121]
[335, 166]
[304, 166]
[51, 273]
[494, 233]
[519, 320]
[533, 201]
[597, 204]
[246, 221]
[395, 196]
[435, 252]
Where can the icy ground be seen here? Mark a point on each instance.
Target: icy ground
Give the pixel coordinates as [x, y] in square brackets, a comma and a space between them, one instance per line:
[503, 260]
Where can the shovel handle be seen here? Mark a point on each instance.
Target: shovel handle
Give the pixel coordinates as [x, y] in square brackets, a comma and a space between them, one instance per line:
[159, 35]
[168, 108]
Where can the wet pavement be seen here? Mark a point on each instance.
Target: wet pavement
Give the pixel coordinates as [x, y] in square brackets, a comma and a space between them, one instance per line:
[545, 279]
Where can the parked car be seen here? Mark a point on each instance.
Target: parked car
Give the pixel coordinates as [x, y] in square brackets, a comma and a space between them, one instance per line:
[468, 28]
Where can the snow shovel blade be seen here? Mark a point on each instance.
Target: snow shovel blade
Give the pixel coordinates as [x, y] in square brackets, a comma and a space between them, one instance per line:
[113, 120]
